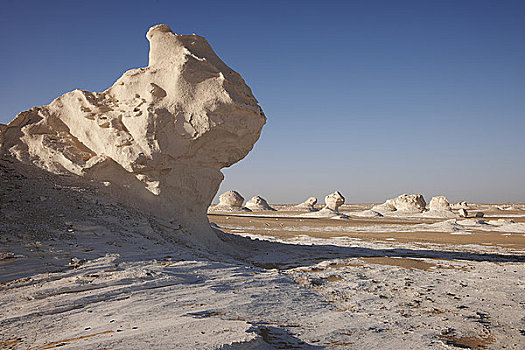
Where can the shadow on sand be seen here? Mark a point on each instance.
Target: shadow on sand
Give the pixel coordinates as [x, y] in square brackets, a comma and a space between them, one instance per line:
[281, 255]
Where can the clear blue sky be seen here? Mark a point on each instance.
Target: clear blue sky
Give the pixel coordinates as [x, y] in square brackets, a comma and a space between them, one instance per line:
[371, 98]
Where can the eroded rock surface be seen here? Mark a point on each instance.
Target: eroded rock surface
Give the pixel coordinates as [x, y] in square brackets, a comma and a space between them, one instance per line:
[159, 135]
[334, 201]
[414, 203]
[460, 205]
[308, 204]
[230, 201]
[439, 203]
[258, 203]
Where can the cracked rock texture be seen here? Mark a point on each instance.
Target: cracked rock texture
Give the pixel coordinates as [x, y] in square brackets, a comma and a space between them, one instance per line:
[159, 136]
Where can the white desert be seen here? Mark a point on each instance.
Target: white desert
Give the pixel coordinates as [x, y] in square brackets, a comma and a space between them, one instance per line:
[109, 238]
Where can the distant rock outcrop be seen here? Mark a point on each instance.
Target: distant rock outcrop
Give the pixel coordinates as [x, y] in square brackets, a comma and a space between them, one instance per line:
[308, 204]
[258, 204]
[439, 207]
[439, 203]
[159, 135]
[409, 204]
[230, 201]
[460, 205]
[334, 201]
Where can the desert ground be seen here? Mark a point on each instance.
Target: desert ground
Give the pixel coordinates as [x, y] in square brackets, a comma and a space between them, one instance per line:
[461, 280]
[79, 272]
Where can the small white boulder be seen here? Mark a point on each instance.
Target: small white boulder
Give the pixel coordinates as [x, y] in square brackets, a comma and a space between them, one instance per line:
[308, 204]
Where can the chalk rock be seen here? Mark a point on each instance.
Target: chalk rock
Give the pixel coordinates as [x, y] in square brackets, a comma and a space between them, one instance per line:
[258, 204]
[460, 205]
[334, 201]
[308, 204]
[159, 135]
[439, 203]
[405, 204]
[463, 213]
[229, 201]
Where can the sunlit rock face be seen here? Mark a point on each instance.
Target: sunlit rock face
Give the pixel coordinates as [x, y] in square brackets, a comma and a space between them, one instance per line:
[439, 203]
[258, 203]
[414, 203]
[334, 201]
[308, 205]
[229, 201]
[460, 205]
[159, 135]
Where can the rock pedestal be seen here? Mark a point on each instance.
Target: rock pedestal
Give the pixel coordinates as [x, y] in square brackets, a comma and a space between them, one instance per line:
[159, 135]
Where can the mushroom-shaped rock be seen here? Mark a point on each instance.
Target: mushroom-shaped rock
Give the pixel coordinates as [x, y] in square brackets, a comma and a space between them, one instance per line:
[258, 204]
[463, 213]
[439, 203]
[308, 204]
[159, 135]
[414, 203]
[334, 201]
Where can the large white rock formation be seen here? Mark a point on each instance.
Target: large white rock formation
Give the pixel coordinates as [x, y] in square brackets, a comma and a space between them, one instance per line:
[159, 135]
[404, 204]
[439, 207]
[334, 201]
[439, 203]
[258, 204]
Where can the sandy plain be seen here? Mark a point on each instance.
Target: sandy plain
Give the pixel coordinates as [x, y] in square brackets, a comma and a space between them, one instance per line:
[78, 271]
[289, 225]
